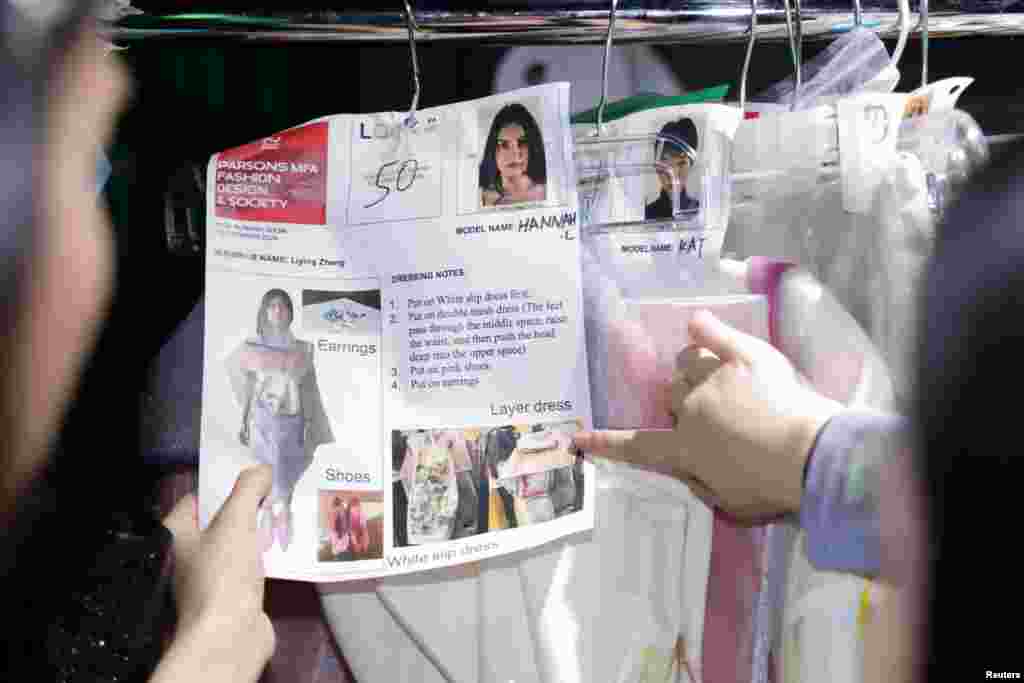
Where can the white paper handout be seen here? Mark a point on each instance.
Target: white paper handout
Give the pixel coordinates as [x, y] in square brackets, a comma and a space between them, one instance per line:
[394, 323]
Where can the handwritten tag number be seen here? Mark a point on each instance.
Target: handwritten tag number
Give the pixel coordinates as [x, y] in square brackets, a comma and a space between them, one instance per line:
[401, 169]
[408, 168]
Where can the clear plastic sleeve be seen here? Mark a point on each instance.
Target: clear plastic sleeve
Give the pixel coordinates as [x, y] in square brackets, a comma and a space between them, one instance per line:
[633, 340]
[872, 262]
[849, 64]
[644, 276]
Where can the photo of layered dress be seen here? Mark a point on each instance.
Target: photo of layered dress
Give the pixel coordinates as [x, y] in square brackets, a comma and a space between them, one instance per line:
[541, 476]
[454, 483]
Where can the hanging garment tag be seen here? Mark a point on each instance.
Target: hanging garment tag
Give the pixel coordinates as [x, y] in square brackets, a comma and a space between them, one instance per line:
[784, 140]
[868, 131]
[384, 295]
[940, 96]
[769, 148]
[666, 164]
[661, 263]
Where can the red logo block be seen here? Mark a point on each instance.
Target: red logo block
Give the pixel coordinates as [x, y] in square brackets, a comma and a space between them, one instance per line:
[279, 179]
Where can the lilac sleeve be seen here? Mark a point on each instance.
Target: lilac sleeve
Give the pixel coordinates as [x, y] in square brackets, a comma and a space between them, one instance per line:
[839, 510]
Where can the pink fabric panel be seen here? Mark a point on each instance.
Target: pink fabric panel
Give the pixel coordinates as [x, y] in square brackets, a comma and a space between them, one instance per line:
[642, 353]
[835, 374]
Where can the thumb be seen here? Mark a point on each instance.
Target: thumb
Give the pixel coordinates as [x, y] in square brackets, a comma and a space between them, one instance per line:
[183, 523]
[696, 363]
[723, 340]
[183, 519]
[251, 487]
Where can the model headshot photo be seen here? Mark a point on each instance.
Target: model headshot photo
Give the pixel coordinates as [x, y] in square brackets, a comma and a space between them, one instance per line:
[513, 169]
[675, 153]
[283, 419]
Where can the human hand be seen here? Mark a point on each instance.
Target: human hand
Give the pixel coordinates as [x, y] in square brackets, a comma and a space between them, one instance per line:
[223, 634]
[744, 425]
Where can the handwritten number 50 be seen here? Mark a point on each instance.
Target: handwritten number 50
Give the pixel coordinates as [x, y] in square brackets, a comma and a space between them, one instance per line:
[406, 170]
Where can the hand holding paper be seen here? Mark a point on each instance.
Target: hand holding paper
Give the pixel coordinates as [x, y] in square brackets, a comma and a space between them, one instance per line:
[745, 424]
[223, 632]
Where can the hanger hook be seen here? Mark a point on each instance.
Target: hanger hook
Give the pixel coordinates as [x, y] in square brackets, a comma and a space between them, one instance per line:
[924, 42]
[798, 26]
[750, 50]
[901, 44]
[604, 68]
[793, 49]
[410, 22]
[858, 14]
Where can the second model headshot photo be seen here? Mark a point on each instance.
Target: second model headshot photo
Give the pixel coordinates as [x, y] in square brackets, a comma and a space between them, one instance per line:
[675, 154]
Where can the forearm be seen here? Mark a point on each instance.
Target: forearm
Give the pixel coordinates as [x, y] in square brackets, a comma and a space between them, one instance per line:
[198, 657]
[839, 509]
[189, 661]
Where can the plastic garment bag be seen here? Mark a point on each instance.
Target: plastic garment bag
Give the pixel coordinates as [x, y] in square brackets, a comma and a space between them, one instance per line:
[836, 357]
[819, 633]
[855, 61]
[818, 188]
[750, 569]
[637, 293]
[632, 344]
[872, 258]
[642, 281]
[857, 215]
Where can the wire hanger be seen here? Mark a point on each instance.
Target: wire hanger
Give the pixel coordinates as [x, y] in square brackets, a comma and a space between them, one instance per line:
[794, 56]
[924, 42]
[798, 30]
[596, 170]
[410, 22]
[746, 60]
[604, 69]
[901, 43]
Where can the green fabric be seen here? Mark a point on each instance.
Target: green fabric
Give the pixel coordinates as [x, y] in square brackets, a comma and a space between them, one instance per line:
[631, 105]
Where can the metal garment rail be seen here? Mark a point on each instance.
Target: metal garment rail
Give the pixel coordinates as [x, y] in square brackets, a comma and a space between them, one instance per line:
[726, 23]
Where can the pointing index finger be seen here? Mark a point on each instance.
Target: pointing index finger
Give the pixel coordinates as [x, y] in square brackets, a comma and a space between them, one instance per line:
[646, 448]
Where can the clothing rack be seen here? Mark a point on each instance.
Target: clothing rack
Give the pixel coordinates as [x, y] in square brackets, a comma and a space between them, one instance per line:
[722, 22]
